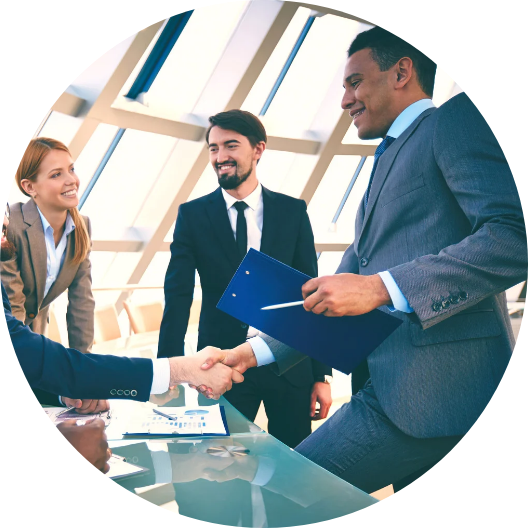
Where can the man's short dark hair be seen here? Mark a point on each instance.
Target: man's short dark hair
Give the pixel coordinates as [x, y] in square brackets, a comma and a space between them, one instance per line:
[387, 49]
[240, 121]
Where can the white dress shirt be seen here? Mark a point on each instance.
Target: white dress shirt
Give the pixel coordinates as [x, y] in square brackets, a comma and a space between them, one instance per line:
[55, 254]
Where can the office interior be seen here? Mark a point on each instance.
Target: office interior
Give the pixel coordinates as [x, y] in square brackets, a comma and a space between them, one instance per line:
[135, 123]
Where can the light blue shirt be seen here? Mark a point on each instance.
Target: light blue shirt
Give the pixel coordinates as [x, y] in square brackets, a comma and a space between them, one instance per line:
[400, 125]
[262, 352]
[56, 254]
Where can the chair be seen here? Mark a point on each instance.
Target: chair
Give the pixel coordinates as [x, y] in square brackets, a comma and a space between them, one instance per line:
[106, 324]
[144, 317]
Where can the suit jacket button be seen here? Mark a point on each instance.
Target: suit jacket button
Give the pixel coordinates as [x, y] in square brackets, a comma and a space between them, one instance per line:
[133, 393]
[244, 326]
[113, 392]
[31, 316]
[127, 393]
[445, 303]
[463, 295]
[453, 299]
[120, 392]
[364, 262]
[437, 306]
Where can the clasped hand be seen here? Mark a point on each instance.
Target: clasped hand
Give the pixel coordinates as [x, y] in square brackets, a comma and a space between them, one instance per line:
[344, 294]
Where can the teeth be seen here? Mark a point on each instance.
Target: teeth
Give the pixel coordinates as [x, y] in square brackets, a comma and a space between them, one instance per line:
[70, 193]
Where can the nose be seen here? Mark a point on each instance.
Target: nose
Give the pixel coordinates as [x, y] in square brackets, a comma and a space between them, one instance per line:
[222, 155]
[6, 220]
[348, 99]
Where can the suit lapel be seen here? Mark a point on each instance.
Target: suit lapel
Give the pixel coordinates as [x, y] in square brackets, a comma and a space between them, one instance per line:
[37, 247]
[384, 165]
[271, 222]
[217, 212]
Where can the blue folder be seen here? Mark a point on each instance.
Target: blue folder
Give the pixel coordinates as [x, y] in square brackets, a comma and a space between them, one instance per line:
[339, 342]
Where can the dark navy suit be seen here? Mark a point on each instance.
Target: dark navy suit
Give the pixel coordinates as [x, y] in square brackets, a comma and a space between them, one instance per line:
[50, 367]
[204, 241]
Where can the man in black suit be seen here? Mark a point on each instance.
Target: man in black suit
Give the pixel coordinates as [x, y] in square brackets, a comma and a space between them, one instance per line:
[212, 235]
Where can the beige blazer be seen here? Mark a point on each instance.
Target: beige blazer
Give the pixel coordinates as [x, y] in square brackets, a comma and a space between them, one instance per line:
[24, 278]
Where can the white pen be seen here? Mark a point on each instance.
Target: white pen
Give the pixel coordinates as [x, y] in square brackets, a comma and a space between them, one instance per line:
[284, 305]
[64, 411]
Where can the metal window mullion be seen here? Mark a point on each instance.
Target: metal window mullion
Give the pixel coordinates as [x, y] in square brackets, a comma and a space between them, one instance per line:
[161, 50]
[101, 167]
[288, 63]
[349, 189]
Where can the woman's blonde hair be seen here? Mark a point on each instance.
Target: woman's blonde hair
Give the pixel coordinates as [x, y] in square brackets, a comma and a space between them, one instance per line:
[36, 151]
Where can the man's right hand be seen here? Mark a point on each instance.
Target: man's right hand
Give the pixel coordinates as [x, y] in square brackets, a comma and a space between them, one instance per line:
[217, 377]
[239, 358]
[89, 439]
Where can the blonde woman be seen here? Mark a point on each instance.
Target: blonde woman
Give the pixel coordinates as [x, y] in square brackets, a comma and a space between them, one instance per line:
[52, 242]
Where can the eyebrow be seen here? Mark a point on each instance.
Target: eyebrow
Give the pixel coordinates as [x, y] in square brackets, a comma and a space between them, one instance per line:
[228, 142]
[59, 168]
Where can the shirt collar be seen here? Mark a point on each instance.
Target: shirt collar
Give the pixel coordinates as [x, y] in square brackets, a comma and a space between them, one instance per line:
[252, 200]
[68, 228]
[405, 119]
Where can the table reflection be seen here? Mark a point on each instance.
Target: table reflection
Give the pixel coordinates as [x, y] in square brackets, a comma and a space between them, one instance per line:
[238, 481]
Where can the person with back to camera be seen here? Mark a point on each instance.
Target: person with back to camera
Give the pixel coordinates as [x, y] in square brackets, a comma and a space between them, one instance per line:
[52, 242]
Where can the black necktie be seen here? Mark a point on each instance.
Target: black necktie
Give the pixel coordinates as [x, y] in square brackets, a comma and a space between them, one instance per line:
[241, 229]
[382, 147]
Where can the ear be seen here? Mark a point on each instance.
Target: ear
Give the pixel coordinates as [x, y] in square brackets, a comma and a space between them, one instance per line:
[404, 70]
[259, 150]
[28, 187]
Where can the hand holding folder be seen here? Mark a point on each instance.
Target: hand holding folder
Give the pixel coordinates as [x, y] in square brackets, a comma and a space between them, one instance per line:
[340, 342]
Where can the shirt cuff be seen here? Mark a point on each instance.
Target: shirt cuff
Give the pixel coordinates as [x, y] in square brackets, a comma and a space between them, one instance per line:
[160, 376]
[162, 466]
[399, 302]
[265, 470]
[61, 402]
[263, 354]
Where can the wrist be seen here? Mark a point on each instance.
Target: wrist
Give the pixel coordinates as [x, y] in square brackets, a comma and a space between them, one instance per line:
[178, 371]
[246, 350]
[381, 294]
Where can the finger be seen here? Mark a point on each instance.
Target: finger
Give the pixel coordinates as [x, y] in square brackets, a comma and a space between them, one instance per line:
[102, 406]
[214, 357]
[88, 407]
[309, 287]
[313, 401]
[313, 300]
[325, 408]
[320, 308]
[193, 387]
[236, 376]
[97, 423]
[106, 468]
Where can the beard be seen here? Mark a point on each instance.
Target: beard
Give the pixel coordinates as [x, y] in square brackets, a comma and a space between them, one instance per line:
[232, 181]
[8, 251]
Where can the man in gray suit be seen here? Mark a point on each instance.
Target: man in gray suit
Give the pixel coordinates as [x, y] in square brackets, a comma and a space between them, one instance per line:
[439, 237]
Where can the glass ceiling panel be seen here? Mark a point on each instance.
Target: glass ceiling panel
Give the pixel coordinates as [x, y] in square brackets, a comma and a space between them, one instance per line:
[61, 126]
[308, 80]
[329, 194]
[92, 154]
[126, 181]
[192, 60]
[273, 67]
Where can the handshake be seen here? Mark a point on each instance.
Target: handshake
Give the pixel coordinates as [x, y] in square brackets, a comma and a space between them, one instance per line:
[212, 371]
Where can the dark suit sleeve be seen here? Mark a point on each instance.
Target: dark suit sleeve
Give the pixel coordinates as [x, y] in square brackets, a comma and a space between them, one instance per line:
[50, 367]
[179, 289]
[305, 260]
[494, 256]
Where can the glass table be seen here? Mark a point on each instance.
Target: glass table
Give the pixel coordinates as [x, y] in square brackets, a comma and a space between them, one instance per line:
[242, 480]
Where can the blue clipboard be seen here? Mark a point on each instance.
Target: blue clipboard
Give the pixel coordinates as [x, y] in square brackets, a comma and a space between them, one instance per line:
[339, 342]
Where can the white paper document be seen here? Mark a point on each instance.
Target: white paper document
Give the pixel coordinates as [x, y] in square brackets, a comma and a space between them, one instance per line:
[186, 421]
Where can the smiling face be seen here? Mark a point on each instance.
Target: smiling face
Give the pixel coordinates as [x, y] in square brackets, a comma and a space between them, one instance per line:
[233, 157]
[370, 95]
[56, 184]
